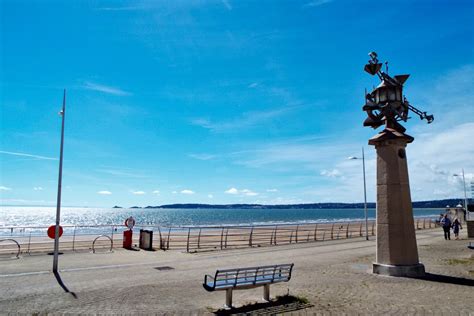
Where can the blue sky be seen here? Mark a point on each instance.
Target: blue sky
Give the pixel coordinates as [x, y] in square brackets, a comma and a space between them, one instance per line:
[225, 101]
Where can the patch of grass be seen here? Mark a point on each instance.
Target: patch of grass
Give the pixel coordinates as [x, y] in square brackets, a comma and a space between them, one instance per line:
[460, 261]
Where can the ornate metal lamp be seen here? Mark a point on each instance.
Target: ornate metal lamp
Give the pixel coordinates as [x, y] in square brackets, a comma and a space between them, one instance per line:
[386, 104]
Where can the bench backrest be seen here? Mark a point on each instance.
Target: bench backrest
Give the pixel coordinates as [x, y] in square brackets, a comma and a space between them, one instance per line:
[253, 275]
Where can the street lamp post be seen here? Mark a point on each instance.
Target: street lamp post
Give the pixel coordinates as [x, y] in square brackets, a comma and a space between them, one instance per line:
[464, 184]
[365, 194]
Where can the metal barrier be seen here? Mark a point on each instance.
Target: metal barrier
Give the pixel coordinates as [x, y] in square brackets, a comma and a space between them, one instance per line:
[200, 238]
[16, 242]
[111, 243]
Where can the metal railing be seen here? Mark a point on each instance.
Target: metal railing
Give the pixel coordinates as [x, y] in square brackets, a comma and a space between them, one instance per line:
[190, 239]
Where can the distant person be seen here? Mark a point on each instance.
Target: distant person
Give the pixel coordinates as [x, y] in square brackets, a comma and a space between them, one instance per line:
[446, 224]
[456, 226]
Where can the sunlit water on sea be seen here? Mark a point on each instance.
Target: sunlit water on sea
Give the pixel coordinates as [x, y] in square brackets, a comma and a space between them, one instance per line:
[45, 216]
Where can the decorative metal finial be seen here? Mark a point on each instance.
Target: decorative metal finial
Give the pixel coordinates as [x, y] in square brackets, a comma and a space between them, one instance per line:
[386, 104]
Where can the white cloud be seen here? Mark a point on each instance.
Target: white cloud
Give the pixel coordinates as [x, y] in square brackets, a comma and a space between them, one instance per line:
[331, 173]
[244, 192]
[156, 192]
[26, 155]
[105, 89]
[138, 192]
[175, 192]
[202, 156]
[2, 188]
[248, 192]
[232, 191]
[188, 192]
[210, 196]
[272, 190]
[38, 188]
[104, 192]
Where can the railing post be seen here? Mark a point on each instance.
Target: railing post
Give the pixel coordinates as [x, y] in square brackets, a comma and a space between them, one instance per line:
[424, 222]
[226, 235]
[168, 241]
[29, 242]
[161, 239]
[199, 239]
[373, 228]
[74, 238]
[187, 243]
[347, 230]
[275, 234]
[291, 237]
[360, 230]
[316, 232]
[417, 221]
[112, 235]
[296, 237]
[222, 237]
[250, 237]
[332, 231]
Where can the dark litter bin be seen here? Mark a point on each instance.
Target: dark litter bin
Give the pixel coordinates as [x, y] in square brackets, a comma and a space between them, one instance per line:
[146, 239]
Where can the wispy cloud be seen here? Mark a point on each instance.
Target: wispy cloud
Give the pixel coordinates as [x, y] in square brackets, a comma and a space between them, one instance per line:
[334, 173]
[157, 192]
[316, 3]
[105, 89]
[227, 4]
[202, 156]
[253, 85]
[130, 8]
[127, 173]
[243, 192]
[188, 192]
[38, 189]
[138, 192]
[2, 188]
[104, 192]
[272, 190]
[26, 155]
[210, 196]
[247, 120]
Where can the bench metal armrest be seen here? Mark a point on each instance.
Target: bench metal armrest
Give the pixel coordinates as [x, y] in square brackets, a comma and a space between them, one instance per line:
[210, 277]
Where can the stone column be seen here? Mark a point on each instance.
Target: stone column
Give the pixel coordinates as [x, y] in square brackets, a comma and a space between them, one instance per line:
[397, 253]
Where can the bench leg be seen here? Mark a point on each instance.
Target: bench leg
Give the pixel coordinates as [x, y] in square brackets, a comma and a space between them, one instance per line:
[266, 292]
[228, 298]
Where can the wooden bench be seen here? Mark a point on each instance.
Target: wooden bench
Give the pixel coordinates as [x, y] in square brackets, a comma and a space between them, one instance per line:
[247, 278]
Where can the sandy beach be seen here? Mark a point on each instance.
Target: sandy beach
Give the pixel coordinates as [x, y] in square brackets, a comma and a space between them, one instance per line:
[333, 276]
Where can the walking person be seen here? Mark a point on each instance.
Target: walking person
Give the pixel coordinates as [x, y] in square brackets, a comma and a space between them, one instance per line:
[446, 224]
[456, 226]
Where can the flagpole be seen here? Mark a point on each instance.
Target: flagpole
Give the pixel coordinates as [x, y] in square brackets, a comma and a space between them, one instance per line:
[58, 205]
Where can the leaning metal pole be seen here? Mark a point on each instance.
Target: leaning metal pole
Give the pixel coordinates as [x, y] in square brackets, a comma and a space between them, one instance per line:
[58, 204]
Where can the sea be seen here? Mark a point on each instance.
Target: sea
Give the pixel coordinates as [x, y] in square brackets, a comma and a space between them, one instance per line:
[16, 216]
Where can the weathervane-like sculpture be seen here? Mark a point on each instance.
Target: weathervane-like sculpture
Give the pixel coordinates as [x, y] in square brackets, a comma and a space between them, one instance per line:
[397, 252]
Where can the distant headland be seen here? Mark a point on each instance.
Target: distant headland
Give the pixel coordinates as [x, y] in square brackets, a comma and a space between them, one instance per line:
[329, 205]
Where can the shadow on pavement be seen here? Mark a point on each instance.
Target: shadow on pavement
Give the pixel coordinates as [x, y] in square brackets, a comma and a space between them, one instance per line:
[61, 283]
[447, 279]
[282, 304]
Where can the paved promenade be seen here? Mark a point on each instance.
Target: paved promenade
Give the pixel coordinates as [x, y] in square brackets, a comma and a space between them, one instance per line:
[331, 275]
